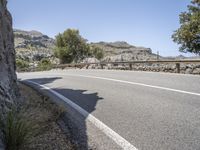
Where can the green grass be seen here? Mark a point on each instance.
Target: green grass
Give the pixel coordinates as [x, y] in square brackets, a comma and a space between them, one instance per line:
[17, 130]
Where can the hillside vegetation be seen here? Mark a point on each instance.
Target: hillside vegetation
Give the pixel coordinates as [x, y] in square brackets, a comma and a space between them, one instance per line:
[34, 50]
[33, 46]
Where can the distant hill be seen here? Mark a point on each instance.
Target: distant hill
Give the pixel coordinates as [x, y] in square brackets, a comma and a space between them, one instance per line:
[122, 51]
[33, 45]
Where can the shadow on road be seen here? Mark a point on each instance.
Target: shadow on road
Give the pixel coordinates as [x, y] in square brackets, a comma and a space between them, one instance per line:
[72, 119]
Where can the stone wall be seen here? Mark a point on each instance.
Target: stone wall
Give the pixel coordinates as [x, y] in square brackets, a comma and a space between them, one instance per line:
[153, 67]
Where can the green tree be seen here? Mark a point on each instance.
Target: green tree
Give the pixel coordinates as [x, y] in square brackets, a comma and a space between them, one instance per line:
[70, 46]
[96, 52]
[188, 35]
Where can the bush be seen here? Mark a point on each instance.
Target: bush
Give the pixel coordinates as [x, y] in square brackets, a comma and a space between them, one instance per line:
[22, 65]
[44, 64]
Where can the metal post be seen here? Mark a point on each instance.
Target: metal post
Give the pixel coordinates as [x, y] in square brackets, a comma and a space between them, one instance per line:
[130, 67]
[157, 55]
[101, 66]
[178, 67]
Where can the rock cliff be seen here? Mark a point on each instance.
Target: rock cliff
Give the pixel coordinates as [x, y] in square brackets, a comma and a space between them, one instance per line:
[8, 79]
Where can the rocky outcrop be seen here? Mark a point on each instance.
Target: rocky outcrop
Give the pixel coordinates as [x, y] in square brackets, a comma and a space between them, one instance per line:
[8, 79]
[32, 45]
[122, 51]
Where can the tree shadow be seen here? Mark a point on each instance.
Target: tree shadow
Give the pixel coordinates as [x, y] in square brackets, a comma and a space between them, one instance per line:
[72, 119]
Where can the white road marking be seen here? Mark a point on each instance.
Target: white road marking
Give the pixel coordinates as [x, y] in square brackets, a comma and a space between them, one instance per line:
[123, 143]
[123, 81]
[133, 83]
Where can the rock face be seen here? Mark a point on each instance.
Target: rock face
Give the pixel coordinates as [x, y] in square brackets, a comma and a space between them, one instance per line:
[8, 79]
[33, 45]
[122, 51]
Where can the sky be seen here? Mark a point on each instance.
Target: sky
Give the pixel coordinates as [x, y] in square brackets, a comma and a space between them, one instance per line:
[147, 23]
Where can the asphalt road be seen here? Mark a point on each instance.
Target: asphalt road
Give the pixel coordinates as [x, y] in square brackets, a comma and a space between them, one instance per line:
[150, 110]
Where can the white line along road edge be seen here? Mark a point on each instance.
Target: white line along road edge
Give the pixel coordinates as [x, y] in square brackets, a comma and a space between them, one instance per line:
[105, 129]
[133, 83]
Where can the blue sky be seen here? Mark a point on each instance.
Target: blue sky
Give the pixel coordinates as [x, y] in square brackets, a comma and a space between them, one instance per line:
[148, 23]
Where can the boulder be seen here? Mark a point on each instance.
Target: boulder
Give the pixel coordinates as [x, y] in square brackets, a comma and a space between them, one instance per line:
[196, 71]
[188, 71]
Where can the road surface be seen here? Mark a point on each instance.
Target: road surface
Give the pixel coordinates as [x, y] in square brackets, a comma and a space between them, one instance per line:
[147, 110]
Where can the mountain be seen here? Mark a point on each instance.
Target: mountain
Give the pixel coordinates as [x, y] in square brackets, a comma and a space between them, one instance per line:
[33, 45]
[122, 51]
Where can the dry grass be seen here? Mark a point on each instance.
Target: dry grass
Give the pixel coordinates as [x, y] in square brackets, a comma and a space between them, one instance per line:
[43, 115]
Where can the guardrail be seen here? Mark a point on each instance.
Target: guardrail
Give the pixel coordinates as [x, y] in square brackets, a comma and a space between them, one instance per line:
[130, 63]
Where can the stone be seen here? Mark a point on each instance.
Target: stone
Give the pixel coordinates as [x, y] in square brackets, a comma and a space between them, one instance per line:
[196, 71]
[188, 71]
[90, 60]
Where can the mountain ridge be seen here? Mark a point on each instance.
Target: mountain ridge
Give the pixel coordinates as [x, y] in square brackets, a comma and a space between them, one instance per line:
[34, 46]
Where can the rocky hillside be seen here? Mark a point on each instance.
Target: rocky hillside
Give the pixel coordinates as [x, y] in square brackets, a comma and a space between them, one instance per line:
[33, 45]
[122, 51]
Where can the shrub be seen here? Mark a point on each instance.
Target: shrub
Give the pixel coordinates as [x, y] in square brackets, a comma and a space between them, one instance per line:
[44, 64]
[22, 65]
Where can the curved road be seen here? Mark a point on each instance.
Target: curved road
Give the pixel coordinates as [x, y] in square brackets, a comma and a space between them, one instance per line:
[148, 110]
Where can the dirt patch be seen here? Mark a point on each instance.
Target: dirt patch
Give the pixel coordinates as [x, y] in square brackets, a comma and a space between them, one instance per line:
[45, 115]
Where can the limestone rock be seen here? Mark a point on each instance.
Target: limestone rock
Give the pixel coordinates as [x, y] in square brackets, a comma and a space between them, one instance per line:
[90, 60]
[8, 79]
[196, 71]
[33, 45]
[122, 51]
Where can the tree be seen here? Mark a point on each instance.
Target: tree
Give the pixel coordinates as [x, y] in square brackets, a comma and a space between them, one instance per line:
[96, 52]
[188, 35]
[70, 46]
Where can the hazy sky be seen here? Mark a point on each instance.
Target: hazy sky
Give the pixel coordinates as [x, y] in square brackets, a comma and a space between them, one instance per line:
[148, 23]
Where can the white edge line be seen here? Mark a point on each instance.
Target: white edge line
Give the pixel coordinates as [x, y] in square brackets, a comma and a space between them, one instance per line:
[123, 143]
[133, 83]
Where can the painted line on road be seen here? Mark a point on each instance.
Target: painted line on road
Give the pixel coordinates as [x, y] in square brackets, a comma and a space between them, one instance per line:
[134, 83]
[123, 143]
